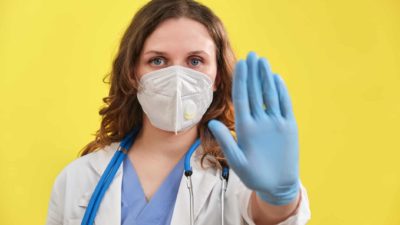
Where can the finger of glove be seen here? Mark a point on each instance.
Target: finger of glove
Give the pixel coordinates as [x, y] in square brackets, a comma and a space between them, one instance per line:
[239, 92]
[228, 144]
[284, 98]
[254, 86]
[270, 95]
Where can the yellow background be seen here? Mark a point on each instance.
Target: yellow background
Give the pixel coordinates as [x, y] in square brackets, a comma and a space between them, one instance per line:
[340, 60]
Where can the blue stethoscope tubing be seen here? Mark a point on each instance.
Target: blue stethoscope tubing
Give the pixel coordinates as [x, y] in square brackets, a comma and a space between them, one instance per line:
[107, 177]
[114, 164]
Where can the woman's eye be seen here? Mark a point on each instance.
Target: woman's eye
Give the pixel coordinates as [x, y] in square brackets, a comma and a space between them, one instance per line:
[195, 61]
[157, 61]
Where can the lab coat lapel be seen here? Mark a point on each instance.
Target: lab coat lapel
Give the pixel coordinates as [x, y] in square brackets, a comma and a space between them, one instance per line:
[110, 208]
[203, 182]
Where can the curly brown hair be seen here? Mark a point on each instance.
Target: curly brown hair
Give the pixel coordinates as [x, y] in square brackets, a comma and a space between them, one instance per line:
[122, 110]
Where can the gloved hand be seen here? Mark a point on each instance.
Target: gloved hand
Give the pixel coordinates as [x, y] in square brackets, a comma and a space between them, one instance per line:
[265, 156]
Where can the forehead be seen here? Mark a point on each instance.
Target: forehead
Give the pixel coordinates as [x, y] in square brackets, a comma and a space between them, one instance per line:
[180, 35]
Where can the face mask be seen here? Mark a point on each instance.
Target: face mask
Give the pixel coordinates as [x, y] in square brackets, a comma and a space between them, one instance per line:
[175, 98]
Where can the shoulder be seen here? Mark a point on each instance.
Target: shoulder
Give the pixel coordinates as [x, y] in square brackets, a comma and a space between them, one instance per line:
[74, 184]
[85, 166]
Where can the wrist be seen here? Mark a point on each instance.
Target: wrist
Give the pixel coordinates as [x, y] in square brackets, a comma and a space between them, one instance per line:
[284, 197]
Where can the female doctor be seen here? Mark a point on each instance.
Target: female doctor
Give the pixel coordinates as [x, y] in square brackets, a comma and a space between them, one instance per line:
[196, 137]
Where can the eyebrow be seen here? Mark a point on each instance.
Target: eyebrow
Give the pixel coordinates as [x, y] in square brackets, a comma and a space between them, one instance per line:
[163, 53]
[155, 52]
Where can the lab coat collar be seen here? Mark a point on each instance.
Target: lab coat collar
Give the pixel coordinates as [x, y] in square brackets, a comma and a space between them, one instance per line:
[100, 160]
[204, 179]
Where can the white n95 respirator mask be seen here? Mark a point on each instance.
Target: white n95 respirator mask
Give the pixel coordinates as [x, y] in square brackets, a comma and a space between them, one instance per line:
[175, 98]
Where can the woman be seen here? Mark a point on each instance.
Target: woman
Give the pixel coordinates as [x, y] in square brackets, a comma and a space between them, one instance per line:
[171, 83]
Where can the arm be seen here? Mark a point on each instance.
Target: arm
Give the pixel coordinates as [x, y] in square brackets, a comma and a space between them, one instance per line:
[264, 213]
[55, 207]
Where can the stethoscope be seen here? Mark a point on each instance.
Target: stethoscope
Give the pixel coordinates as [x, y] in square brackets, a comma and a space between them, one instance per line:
[119, 156]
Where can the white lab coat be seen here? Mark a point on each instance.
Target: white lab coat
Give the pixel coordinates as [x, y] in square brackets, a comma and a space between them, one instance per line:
[74, 185]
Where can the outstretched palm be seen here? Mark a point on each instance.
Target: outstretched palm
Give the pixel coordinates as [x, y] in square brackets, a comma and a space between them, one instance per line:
[265, 156]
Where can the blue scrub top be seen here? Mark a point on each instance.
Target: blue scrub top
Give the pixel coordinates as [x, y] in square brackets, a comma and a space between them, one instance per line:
[136, 210]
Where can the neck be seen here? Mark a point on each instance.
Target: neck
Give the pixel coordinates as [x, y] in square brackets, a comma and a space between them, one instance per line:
[160, 143]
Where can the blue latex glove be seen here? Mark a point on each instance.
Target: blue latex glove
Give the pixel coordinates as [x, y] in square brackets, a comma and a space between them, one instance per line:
[265, 156]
